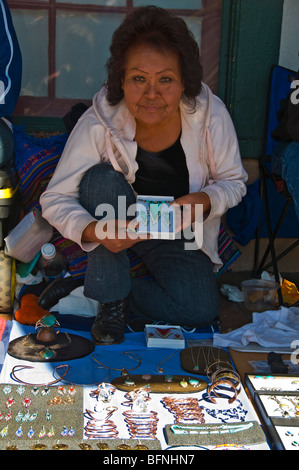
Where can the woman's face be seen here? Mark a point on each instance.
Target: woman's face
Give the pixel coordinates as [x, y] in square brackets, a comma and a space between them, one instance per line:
[152, 84]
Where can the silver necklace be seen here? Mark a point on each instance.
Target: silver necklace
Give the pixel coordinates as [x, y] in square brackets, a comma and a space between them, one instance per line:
[206, 359]
[196, 366]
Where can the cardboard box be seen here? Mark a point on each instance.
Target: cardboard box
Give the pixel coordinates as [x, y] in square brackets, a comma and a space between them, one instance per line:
[156, 217]
[27, 238]
[164, 336]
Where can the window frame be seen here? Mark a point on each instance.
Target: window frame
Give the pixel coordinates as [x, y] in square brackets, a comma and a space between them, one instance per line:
[51, 106]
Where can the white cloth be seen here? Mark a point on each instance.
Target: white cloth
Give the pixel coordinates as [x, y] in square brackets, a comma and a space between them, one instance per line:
[233, 293]
[273, 328]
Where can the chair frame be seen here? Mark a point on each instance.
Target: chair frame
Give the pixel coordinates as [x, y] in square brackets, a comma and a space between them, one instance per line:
[265, 173]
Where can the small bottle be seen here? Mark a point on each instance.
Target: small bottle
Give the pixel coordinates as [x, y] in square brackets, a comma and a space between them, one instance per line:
[52, 262]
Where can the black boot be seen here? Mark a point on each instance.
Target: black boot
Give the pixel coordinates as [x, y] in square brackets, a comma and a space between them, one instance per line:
[110, 323]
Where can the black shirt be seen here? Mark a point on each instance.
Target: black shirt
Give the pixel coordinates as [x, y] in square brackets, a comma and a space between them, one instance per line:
[162, 173]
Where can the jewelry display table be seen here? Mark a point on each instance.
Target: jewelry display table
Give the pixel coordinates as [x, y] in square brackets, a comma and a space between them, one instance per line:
[277, 399]
[85, 409]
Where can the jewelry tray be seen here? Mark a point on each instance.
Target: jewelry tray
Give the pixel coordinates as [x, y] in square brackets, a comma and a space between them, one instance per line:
[276, 398]
[69, 413]
[160, 384]
[243, 433]
[195, 359]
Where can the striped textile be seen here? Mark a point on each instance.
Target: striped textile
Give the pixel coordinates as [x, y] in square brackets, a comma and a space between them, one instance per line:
[35, 162]
[227, 250]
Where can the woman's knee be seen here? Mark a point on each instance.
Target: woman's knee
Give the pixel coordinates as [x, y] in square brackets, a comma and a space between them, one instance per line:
[101, 184]
[99, 176]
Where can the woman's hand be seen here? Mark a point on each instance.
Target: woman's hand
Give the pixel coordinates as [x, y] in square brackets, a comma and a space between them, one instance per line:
[194, 206]
[115, 235]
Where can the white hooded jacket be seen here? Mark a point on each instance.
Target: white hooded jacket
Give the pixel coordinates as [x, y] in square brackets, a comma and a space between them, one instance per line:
[106, 133]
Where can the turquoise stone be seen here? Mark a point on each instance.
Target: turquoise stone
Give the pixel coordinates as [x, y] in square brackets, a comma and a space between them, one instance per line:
[168, 378]
[129, 382]
[193, 382]
[48, 320]
[47, 353]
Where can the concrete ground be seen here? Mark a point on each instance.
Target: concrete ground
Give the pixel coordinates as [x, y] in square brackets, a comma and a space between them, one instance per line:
[233, 315]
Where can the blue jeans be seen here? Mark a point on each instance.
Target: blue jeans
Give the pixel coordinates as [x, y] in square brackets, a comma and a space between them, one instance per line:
[183, 287]
[285, 163]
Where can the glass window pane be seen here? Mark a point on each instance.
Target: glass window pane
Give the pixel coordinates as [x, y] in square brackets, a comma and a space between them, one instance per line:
[174, 4]
[82, 48]
[29, 25]
[26, 1]
[194, 24]
[109, 3]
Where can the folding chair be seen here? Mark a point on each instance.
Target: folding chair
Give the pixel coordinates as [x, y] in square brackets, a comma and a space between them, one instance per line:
[279, 89]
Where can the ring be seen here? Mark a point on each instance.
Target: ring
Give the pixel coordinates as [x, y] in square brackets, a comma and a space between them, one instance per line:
[48, 321]
[131, 230]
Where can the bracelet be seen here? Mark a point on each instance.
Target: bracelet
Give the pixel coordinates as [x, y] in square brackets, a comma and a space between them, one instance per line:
[230, 372]
[91, 415]
[133, 415]
[218, 365]
[229, 375]
[13, 374]
[105, 426]
[103, 435]
[222, 382]
[184, 409]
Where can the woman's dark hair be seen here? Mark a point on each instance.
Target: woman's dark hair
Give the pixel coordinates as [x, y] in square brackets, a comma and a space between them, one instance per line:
[164, 31]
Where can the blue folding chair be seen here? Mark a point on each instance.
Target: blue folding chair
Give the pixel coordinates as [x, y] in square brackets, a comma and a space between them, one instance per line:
[279, 89]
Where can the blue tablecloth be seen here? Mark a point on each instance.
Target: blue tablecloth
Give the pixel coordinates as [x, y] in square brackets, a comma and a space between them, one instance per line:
[86, 370]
